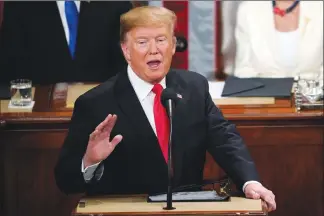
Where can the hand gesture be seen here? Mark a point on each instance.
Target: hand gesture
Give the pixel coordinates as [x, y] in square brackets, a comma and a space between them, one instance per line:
[99, 145]
[257, 191]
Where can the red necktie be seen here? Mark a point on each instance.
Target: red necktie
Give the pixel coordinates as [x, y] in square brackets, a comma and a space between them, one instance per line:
[161, 121]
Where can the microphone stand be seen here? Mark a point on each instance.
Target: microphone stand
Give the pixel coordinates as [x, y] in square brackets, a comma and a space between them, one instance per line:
[170, 168]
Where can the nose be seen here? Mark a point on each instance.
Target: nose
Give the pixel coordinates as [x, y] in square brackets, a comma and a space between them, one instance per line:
[153, 48]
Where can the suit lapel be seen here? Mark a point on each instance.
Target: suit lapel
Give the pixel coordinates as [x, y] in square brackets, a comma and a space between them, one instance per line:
[84, 17]
[131, 107]
[55, 22]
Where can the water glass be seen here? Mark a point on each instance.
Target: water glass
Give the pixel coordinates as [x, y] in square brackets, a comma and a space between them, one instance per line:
[21, 92]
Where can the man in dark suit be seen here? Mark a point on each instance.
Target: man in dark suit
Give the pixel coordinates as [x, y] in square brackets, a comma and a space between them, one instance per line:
[103, 155]
[62, 41]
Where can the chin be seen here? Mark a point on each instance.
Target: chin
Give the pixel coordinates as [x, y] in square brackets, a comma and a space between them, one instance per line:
[156, 76]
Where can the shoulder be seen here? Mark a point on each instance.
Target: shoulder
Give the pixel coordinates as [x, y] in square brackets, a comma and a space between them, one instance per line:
[189, 76]
[313, 9]
[103, 90]
[190, 80]
[253, 8]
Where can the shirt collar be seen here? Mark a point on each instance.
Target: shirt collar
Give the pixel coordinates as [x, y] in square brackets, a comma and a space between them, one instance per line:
[141, 87]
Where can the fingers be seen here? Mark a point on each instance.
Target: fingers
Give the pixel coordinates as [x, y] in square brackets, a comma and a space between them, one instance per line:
[110, 124]
[269, 198]
[271, 204]
[257, 192]
[105, 127]
[105, 122]
[116, 140]
[94, 135]
[252, 194]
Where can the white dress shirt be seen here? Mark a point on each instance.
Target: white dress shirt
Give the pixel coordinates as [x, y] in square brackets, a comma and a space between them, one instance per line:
[61, 8]
[145, 95]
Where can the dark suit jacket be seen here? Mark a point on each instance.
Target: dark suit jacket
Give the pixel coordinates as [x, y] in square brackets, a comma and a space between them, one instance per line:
[33, 43]
[137, 164]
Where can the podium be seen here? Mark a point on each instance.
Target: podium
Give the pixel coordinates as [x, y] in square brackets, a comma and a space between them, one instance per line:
[138, 205]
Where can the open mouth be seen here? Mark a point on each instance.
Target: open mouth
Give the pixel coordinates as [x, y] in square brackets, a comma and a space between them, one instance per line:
[154, 64]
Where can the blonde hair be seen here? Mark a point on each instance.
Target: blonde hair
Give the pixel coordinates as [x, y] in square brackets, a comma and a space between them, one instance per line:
[146, 16]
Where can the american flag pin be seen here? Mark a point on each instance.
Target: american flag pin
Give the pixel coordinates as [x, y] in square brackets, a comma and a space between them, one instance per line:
[179, 95]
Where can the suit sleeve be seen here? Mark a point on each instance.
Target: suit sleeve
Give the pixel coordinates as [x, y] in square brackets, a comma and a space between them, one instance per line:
[12, 42]
[243, 67]
[226, 145]
[68, 175]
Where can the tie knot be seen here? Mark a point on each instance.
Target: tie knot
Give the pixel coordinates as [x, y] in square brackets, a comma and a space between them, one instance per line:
[157, 89]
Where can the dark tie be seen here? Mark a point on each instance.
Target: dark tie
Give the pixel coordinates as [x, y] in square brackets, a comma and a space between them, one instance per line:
[71, 13]
[161, 121]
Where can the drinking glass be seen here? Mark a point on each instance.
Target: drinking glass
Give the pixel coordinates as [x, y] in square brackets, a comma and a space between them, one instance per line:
[21, 92]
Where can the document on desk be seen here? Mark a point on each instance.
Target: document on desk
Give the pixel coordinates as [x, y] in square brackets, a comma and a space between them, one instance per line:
[75, 90]
[196, 196]
[258, 87]
[216, 89]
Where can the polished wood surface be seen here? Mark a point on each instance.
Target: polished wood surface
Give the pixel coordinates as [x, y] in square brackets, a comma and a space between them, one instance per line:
[137, 205]
[286, 145]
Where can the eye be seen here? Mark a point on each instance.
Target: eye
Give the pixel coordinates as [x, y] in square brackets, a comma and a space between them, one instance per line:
[141, 42]
[161, 40]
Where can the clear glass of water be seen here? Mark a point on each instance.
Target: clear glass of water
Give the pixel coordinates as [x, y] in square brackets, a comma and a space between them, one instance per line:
[21, 92]
[311, 87]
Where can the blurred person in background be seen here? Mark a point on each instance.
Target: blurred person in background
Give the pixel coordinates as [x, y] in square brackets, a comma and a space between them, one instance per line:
[229, 14]
[61, 41]
[279, 39]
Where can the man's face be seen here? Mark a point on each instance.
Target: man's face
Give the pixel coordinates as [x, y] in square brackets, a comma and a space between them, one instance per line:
[149, 51]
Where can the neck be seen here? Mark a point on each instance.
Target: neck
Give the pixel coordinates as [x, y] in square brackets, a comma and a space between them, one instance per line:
[284, 3]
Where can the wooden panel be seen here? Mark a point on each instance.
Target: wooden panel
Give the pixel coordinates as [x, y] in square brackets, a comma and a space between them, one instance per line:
[29, 163]
[290, 163]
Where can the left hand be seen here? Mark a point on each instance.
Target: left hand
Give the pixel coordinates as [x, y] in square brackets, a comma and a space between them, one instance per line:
[257, 191]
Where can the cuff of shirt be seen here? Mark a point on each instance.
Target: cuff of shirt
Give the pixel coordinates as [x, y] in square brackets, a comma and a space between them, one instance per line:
[88, 172]
[249, 182]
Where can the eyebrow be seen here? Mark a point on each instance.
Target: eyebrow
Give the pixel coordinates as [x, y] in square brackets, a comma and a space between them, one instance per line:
[141, 38]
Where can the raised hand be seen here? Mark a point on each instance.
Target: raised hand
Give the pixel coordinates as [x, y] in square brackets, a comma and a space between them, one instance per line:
[99, 145]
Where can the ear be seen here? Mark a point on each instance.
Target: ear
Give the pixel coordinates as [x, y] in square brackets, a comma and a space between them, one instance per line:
[125, 50]
[174, 45]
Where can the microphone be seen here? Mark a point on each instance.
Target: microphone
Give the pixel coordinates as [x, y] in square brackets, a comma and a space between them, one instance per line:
[182, 44]
[169, 99]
